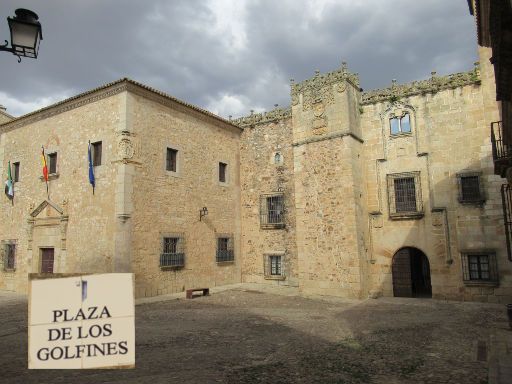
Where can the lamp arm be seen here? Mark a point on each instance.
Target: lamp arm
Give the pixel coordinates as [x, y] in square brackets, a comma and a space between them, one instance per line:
[3, 47]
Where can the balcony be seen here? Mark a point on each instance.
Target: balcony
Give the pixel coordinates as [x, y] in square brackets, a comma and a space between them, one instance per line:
[506, 196]
[501, 152]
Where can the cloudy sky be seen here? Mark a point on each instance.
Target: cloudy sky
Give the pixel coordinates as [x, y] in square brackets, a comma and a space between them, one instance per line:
[231, 56]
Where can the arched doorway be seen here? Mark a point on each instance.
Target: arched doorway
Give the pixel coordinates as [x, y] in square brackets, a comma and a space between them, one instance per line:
[411, 273]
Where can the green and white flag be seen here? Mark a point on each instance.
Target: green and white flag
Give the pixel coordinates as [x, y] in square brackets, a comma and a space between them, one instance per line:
[9, 185]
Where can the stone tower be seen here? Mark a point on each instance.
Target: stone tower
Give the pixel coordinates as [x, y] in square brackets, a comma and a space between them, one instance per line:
[329, 184]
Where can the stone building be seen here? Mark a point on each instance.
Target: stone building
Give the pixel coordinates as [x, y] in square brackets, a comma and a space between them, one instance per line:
[347, 193]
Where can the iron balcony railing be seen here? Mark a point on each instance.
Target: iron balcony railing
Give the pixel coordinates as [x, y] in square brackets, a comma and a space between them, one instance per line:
[506, 197]
[172, 260]
[225, 255]
[501, 152]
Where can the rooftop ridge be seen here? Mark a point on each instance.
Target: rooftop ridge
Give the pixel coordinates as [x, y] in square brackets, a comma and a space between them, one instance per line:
[432, 85]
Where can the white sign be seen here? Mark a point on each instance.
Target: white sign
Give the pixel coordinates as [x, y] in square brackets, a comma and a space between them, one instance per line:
[85, 321]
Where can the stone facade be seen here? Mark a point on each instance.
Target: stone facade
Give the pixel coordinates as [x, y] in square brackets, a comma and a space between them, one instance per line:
[344, 193]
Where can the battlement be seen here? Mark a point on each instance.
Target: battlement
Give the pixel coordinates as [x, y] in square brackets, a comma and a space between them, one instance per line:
[263, 118]
[432, 85]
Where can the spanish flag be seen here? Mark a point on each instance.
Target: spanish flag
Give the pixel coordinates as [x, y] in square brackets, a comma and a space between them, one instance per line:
[45, 170]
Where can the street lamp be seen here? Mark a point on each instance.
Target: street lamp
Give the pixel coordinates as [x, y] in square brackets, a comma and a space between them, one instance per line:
[25, 34]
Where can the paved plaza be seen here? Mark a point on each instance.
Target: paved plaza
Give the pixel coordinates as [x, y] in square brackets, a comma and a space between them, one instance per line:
[249, 335]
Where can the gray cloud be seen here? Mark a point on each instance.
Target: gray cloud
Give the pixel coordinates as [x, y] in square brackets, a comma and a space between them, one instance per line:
[232, 56]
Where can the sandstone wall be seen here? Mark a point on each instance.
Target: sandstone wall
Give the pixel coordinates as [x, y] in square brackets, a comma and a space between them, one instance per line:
[450, 135]
[168, 203]
[261, 174]
[82, 233]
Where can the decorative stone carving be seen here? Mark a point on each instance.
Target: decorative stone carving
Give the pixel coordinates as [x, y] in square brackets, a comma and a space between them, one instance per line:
[432, 85]
[262, 118]
[125, 149]
[321, 87]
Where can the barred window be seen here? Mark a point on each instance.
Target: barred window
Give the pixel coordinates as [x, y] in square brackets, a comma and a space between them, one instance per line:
[274, 266]
[9, 250]
[272, 210]
[401, 124]
[225, 252]
[173, 253]
[171, 160]
[404, 191]
[479, 267]
[470, 188]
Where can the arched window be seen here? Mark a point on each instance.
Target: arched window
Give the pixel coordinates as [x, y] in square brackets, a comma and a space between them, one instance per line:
[278, 158]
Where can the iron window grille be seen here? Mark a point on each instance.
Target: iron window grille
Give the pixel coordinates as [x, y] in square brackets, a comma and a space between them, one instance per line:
[171, 160]
[272, 210]
[479, 267]
[96, 153]
[173, 252]
[470, 188]
[16, 171]
[9, 255]
[400, 124]
[52, 163]
[225, 251]
[274, 266]
[506, 198]
[404, 193]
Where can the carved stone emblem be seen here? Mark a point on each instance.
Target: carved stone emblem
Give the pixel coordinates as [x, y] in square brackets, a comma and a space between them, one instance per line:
[318, 109]
[125, 149]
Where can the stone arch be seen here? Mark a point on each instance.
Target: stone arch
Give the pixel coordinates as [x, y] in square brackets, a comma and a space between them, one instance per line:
[411, 273]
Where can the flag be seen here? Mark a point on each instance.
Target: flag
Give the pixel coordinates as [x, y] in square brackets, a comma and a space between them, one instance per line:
[45, 171]
[45, 168]
[91, 169]
[9, 185]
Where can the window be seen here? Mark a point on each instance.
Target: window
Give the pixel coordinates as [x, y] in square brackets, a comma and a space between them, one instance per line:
[470, 188]
[9, 249]
[274, 266]
[404, 193]
[222, 172]
[401, 124]
[173, 253]
[171, 160]
[272, 210]
[52, 163]
[225, 248]
[479, 267]
[16, 171]
[96, 153]
[278, 158]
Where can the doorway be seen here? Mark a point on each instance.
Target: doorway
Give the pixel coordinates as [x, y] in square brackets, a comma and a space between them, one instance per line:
[47, 258]
[411, 273]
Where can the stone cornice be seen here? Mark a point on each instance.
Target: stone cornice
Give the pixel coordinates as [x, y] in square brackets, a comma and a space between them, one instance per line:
[327, 137]
[274, 115]
[105, 91]
[432, 85]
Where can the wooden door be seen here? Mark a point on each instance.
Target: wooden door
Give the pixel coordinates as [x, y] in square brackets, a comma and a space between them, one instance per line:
[47, 260]
[401, 270]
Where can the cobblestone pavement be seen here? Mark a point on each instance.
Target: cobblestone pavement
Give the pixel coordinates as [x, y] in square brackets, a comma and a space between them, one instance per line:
[246, 336]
